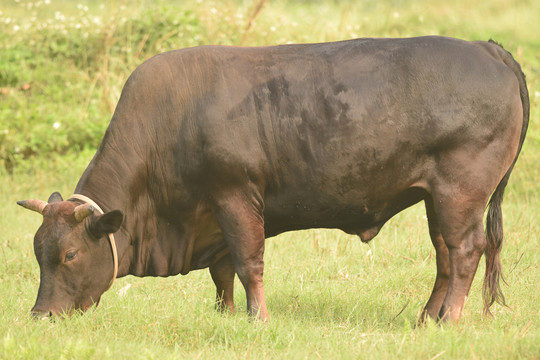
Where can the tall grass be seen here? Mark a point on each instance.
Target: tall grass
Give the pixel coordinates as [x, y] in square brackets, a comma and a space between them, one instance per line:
[62, 67]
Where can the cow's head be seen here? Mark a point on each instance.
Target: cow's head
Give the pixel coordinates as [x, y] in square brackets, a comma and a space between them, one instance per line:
[73, 253]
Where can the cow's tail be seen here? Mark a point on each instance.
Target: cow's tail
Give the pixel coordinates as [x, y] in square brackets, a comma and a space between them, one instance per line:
[494, 228]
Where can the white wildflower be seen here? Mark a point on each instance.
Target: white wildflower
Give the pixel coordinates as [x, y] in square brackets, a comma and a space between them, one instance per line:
[123, 291]
[59, 16]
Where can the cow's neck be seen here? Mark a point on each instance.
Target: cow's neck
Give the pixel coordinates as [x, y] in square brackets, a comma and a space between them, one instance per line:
[117, 178]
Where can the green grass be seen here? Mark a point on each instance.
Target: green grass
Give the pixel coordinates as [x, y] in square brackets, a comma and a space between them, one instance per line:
[329, 295]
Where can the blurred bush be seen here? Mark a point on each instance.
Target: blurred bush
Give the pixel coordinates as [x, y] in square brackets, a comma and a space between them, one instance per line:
[63, 64]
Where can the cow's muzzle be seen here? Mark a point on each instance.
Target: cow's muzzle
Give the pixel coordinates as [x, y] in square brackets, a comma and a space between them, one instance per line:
[41, 314]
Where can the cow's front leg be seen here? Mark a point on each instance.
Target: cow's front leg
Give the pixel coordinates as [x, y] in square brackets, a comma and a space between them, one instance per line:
[223, 275]
[242, 225]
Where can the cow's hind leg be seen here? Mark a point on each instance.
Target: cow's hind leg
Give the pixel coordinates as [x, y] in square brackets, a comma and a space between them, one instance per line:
[223, 275]
[460, 188]
[460, 220]
[440, 287]
[242, 225]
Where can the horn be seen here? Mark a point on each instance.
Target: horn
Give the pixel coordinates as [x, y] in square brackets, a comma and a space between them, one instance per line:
[83, 211]
[34, 205]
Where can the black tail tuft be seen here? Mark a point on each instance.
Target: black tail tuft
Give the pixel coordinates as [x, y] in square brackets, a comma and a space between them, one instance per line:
[494, 233]
[494, 227]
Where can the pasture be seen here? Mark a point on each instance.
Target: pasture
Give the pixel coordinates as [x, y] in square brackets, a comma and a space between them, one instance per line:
[62, 67]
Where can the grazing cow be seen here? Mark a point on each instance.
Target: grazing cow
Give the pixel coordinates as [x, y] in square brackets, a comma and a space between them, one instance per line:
[212, 149]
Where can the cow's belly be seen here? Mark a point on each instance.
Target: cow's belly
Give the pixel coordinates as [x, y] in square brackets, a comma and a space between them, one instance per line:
[363, 215]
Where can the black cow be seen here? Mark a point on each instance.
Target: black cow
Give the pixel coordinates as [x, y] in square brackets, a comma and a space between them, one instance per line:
[212, 149]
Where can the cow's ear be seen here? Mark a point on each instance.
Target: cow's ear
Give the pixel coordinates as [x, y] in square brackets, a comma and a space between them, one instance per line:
[107, 223]
[55, 197]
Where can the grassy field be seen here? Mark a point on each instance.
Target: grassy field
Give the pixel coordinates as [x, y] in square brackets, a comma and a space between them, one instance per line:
[62, 67]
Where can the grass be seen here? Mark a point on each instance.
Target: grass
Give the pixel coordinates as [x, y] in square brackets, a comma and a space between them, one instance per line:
[62, 66]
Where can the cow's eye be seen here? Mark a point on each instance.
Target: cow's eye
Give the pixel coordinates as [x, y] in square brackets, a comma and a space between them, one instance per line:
[70, 256]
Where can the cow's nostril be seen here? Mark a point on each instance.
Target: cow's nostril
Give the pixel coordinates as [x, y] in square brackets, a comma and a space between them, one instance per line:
[41, 315]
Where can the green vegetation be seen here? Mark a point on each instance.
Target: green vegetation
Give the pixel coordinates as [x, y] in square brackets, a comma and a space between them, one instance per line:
[62, 68]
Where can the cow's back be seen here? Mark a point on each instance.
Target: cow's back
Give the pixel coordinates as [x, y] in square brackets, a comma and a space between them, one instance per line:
[332, 134]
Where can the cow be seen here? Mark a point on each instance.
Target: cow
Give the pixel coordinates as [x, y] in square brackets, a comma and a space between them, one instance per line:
[213, 149]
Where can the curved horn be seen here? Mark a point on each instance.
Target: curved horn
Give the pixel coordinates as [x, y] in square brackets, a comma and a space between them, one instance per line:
[83, 211]
[34, 205]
